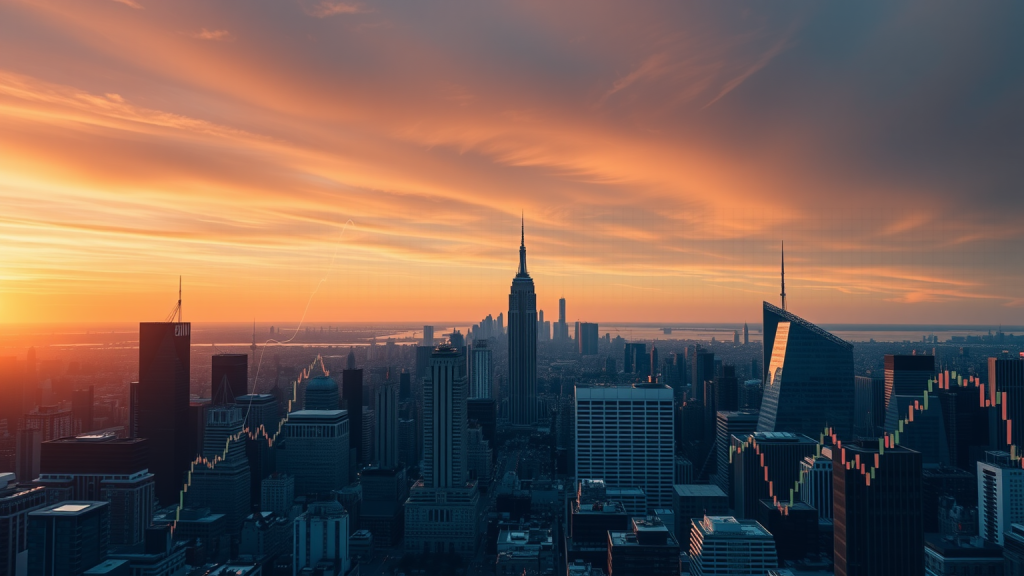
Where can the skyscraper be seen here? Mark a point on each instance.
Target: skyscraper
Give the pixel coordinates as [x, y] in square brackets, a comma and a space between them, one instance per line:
[441, 513]
[16, 502]
[746, 336]
[316, 450]
[230, 371]
[428, 336]
[624, 435]
[703, 366]
[778, 452]
[262, 420]
[352, 400]
[878, 525]
[321, 539]
[1007, 375]
[82, 410]
[907, 375]
[321, 394]
[222, 486]
[809, 382]
[482, 371]
[522, 345]
[587, 344]
[561, 327]
[163, 400]
[386, 441]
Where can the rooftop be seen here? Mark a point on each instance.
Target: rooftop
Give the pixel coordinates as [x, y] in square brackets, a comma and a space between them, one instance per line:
[702, 490]
[730, 527]
[794, 319]
[69, 508]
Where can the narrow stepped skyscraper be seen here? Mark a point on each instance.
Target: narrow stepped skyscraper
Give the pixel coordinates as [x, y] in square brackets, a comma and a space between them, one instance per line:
[522, 344]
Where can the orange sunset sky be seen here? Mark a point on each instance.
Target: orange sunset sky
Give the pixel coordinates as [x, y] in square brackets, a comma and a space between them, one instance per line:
[384, 151]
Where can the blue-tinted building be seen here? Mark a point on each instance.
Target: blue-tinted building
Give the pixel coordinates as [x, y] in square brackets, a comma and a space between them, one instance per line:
[809, 383]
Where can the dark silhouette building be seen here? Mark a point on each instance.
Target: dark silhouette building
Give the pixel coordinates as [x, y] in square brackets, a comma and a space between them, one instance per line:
[1007, 375]
[82, 410]
[647, 548]
[321, 394]
[907, 375]
[868, 405]
[779, 452]
[261, 421]
[967, 425]
[795, 528]
[703, 369]
[232, 371]
[69, 538]
[522, 345]
[352, 401]
[163, 403]
[878, 520]
[587, 338]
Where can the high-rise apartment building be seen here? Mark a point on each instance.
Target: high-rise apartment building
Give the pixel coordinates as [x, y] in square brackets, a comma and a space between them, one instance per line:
[386, 440]
[482, 371]
[878, 525]
[229, 377]
[624, 435]
[725, 545]
[316, 450]
[16, 502]
[69, 538]
[809, 380]
[222, 484]
[163, 403]
[522, 346]
[1000, 495]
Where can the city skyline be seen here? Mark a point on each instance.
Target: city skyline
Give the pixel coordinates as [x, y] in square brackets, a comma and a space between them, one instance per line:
[660, 164]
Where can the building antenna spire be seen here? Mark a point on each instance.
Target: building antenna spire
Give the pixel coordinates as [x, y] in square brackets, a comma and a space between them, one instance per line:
[783, 275]
[522, 248]
[179, 299]
[522, 230]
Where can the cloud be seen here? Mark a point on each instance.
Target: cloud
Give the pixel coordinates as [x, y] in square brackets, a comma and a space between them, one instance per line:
[205, 34]
[327, 8]
[131, 3]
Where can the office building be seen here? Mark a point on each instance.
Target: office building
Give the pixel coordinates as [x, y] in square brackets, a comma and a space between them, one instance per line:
[907, 375]
[263, 424]
[868, 405]
[648, 548]
[944, 556]
[321, 540]
[352, 401]
[158, 557]
[67, 539]
[221, 482]
[484, 412]
[369, 434]
[795, 529]
[587, 338]
[229, 377]
[703, 370]
[386, 435]
[727, 390]
[428, 336]
[809, 381]
[277, 494]
[384, 493]
[1000, 495]
[316, 450]
[82, 410]
[482, 371]
[29, 444]
[591, 518]
[51, 421]
[522, 346]
[1013, 550]
[479, 457]
[624, 435]
[102, 467]
[1007, 375]
[163, 403]
[816, 490]
[738, 423]
[939, 486]
[440, 514]
[321, 394]
[781, 454]
[404, 386]
[561, 328]
[691, 501]
[746, 335]
[725, 545]
[16, 502]
[878, 527]
[967, 425]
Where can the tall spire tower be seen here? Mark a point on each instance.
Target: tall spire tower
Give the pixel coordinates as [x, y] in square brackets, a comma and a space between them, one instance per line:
[783, 275]
[522, 343]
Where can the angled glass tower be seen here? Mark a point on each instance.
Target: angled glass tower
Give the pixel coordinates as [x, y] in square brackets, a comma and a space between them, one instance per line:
[809, 382]
[522, 345]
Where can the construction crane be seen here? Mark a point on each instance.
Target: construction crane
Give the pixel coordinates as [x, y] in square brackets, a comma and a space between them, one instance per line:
[177, 308]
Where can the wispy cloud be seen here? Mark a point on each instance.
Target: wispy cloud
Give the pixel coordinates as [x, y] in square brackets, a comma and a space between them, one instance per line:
[205, 34]
[131, 3]
[327, 8]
